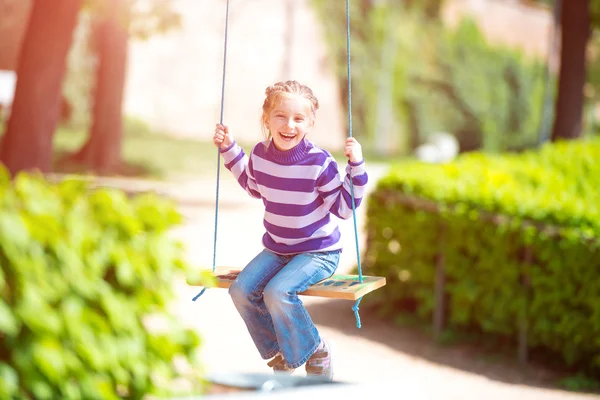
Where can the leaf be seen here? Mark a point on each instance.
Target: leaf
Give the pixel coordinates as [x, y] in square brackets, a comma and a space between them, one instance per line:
[70, 390]
[13, 231]
[124, 269]
[9, 381]
[36, 314]
[120, 311]
[9, 325]
[41, 390]
[97, 387]
[48, 356]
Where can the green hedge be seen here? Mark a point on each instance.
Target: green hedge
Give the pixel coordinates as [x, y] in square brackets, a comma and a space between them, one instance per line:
[84, 277]
[519, 236]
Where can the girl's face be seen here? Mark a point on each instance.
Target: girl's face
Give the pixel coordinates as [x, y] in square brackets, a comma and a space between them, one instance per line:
[289, 121]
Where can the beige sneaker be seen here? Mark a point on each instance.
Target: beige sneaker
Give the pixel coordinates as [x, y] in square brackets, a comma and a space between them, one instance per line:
[319, 364]
[278, 364]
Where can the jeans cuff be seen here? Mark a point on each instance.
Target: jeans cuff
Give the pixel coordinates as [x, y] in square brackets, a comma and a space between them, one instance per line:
[306, 358]
[270, 353]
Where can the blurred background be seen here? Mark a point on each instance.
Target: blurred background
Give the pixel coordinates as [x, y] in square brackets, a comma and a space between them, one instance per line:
[485, 72]
[479, 123]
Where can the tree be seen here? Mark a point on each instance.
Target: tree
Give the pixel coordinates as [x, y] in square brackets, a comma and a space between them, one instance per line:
[115, 21]
[576, 28]
[27, 144]
[102, 151]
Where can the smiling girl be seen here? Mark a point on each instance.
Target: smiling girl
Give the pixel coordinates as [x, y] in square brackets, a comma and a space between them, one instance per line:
[301, 188]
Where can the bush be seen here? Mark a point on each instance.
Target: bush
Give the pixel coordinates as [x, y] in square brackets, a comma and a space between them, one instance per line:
[82, 275]
[519, 236]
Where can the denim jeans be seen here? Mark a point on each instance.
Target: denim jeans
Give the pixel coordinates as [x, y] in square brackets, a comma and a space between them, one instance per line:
[265, 294]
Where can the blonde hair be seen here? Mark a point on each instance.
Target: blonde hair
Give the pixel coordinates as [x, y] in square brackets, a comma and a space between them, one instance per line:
[276, 92]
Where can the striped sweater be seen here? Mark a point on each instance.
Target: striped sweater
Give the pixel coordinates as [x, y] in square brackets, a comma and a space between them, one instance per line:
[300, 189]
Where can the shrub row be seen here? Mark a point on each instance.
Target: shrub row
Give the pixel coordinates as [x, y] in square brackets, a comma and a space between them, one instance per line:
[519, 237]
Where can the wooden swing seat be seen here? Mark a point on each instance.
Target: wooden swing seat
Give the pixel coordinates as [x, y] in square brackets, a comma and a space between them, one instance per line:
[347, 287]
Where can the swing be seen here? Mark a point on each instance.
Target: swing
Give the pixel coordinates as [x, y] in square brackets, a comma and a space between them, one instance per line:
[347, 287]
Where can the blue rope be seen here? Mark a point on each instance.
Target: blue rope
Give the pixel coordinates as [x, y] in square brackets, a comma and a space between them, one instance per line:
[199, 294]
[214, 266]
[360, 278]
[355, 309]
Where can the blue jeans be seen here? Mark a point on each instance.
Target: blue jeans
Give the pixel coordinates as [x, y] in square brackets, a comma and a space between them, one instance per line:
[265, 294]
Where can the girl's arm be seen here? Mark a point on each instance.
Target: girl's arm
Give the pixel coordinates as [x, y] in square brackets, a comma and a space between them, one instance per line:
[241, 167]
[235, 160]
[336, 192]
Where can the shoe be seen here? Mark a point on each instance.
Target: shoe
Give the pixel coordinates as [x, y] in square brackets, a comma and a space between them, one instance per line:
[319, 364]
[279, 365]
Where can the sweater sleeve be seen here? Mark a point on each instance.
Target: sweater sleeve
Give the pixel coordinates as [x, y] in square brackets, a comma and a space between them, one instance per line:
[336, 193]
[240, 166]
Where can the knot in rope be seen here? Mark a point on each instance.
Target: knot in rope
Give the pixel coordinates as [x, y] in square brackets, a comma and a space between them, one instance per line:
[355, 309]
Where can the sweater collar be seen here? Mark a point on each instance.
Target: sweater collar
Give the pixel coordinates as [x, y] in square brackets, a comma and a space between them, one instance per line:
[291, 156]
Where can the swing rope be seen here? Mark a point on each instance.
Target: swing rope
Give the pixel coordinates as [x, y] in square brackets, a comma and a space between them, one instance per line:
[355, 306]
[348, 64]
[214, 266]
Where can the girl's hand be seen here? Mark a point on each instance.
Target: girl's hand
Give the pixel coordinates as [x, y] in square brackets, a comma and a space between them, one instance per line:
[222, 138]
[353, 150]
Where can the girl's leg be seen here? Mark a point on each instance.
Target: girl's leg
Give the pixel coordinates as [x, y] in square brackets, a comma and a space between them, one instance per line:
[247, 295]
[297, 336]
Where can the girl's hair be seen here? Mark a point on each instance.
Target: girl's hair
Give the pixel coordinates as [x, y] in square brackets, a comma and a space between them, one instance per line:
[279, 90]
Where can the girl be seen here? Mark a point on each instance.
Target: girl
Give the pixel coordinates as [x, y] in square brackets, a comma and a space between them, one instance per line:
[301, 187]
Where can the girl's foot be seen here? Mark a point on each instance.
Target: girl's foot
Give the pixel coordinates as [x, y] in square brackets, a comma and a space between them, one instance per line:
[319, 364]
[279, 365]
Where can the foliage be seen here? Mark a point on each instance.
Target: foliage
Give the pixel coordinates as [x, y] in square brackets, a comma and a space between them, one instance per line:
[489, 96]
[144, 17]
[376, 35]
[519, 236]
[85, 282]
[153, 17]
[441, 78]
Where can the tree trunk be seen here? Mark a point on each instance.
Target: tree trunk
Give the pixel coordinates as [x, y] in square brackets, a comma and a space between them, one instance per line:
[575, 21]
[27, 144]
[102, 151]
[414, 130]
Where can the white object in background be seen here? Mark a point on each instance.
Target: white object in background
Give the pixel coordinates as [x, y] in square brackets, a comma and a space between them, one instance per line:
[446, 144]
[8, 82]
[427, 153]
[441, 147]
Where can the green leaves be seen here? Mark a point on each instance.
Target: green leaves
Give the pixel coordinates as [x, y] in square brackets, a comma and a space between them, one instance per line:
[489, 96]
[48, 356]
[519, 236]
[554, 185]
[9, 381]
[9, 324]
[80, 271]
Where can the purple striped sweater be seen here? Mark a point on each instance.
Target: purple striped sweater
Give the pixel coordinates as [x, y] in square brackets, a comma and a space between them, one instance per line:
[300, 189]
